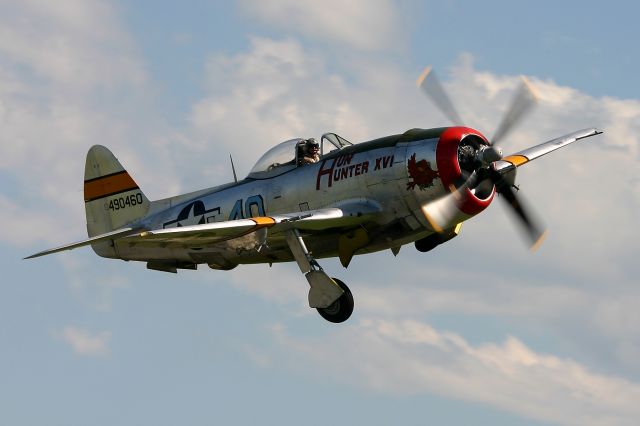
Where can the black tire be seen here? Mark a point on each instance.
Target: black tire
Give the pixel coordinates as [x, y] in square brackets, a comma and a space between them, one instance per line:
[340, 310]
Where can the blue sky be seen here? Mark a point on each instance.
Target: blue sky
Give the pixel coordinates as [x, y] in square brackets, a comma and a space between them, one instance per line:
[478, 331]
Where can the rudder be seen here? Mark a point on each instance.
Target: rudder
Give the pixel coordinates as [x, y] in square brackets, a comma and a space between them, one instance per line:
[112, 198]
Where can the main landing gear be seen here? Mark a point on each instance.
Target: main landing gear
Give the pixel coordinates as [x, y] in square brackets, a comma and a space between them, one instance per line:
[330, 296]
[341, 309]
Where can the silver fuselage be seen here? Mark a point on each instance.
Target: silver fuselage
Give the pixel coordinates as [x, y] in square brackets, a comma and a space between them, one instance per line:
[374, 172]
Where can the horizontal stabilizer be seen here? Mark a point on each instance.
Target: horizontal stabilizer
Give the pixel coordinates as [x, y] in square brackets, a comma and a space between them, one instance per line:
[102, 237]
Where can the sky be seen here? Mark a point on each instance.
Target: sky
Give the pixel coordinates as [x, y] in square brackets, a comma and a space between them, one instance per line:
[478, 331]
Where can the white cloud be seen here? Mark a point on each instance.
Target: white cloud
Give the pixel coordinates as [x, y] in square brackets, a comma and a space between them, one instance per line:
[24, 226]
[595, 323]
[410, 357]
[79, 44]
[83, 342]
[70, 78]
[362, 24]
[277, 91]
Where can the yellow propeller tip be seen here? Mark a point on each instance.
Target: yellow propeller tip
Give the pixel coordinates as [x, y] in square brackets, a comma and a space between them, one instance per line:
[531, 88]
[424, 75]
[539, 242]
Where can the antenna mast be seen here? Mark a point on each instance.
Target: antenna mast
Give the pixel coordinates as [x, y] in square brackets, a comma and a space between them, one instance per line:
[235, 177]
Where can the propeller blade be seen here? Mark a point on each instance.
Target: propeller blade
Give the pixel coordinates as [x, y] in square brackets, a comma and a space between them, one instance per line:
[439, 213]
[522, 103]
[533, 231]
[430, 84]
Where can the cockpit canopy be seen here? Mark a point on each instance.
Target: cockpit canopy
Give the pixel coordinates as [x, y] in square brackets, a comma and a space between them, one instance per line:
[286, 155]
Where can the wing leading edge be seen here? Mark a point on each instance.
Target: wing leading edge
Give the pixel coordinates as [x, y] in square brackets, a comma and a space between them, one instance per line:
[346, 216]
[118, 233]
[313, 220]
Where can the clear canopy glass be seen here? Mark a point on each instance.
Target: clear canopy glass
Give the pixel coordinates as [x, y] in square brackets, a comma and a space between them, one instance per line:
[284, 156]
[331, 141]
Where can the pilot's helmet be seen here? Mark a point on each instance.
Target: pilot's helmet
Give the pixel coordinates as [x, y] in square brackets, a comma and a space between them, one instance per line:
[312, 143]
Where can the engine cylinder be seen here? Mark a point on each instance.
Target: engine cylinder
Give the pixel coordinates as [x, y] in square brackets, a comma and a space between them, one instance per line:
[451, 155]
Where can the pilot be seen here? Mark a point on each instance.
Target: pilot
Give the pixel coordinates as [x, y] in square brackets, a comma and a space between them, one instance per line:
[311, 152]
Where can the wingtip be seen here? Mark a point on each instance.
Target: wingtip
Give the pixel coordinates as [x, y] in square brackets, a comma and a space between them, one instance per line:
[33, 256]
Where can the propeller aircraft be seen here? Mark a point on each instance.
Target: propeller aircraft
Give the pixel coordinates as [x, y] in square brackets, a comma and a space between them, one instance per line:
[414, 187]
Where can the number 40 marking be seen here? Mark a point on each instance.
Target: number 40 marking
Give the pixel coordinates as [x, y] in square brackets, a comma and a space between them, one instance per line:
[254, 206]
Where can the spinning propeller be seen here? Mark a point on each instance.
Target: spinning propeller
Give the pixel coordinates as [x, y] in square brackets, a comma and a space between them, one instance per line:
[477, 161]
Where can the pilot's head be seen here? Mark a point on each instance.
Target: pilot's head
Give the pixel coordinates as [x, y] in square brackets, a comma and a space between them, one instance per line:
[312, 146]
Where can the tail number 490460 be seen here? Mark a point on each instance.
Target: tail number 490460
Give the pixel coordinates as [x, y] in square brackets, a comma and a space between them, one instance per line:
[124, 202]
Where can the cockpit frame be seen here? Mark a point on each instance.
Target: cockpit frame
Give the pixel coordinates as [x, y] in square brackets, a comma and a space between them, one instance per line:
[285, 156]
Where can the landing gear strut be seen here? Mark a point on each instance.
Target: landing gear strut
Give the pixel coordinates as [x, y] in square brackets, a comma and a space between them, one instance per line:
[331, 297]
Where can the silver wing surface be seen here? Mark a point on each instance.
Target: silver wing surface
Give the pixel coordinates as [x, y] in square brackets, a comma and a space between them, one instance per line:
[118, 233]
[529, 154]
[346, 216]
[313, 220]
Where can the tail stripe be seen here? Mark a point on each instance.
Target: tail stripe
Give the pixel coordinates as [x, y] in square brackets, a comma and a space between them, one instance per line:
[108, 185]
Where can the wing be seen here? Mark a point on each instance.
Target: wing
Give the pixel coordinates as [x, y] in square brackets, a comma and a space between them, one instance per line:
[118, 233]
[529, 154]
[348, 215]
[313, 220]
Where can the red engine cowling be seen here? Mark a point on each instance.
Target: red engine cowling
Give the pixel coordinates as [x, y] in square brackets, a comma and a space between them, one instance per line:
[453, 174]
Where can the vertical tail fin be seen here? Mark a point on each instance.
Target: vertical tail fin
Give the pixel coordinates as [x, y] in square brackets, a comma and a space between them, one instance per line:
[112, 198]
